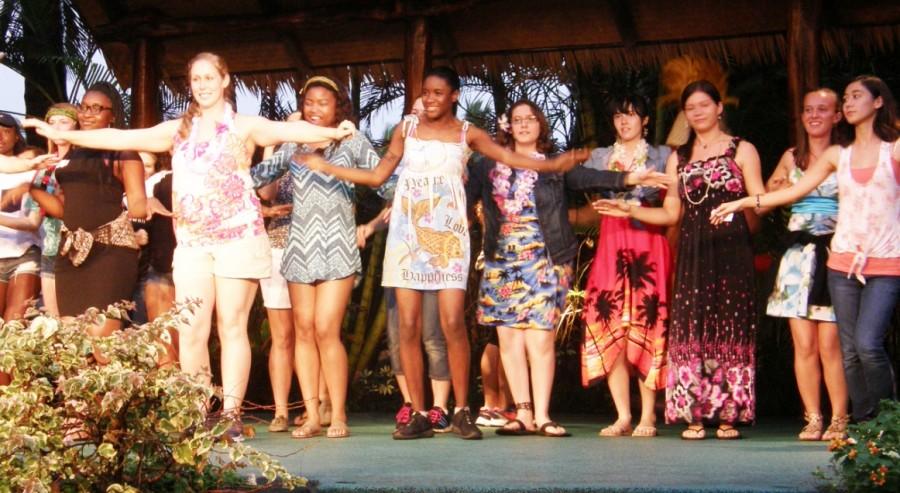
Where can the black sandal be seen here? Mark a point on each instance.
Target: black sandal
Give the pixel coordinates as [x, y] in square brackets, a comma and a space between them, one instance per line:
[552, 424]
[519, 430]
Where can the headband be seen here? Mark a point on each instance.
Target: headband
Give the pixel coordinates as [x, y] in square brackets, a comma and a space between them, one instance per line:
[321, 80]
[67, 112]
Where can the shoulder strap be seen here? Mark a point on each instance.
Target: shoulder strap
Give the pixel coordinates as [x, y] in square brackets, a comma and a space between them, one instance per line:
[465, 127]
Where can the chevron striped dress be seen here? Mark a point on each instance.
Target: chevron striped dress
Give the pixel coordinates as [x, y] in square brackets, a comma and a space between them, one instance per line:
[321, 244]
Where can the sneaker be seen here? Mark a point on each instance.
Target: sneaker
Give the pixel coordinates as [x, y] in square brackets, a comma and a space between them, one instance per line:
[484, 417]
[464, 426]
[403, 415]
[440, 422]
[492, 418]
[417, 427]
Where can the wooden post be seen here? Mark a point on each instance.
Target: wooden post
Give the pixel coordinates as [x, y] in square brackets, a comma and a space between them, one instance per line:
[416, 59]
[144, 85]
[802, 57]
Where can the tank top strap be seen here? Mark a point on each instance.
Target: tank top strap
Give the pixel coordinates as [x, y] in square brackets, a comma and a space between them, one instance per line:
[843, 159]
[732, 147]
[462, 136]
[410, 122]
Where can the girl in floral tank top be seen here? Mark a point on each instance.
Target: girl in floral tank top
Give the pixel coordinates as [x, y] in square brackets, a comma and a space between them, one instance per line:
[864, 264]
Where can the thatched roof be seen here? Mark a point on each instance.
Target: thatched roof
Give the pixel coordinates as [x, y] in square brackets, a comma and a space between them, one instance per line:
[265, 40]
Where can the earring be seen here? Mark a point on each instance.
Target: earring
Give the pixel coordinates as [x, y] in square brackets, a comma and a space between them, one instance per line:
[645, 132]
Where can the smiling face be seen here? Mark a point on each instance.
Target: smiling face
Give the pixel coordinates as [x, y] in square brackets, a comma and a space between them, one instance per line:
[859, 104]
[208, 83]
[702, 111]
[88, 120]
[319, 106]
[525, 125]
[629, 125]
[61, 122]
[438, 97]
[820, 113]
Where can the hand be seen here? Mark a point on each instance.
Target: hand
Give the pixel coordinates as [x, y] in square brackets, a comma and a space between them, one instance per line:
[648, 178]
[42, 128]
[154, 206]
[12, 198]
[43, 161]
[725, 212]
[313, 161]
[610, 207]
[277, 210]
[568, 160]
[363, 232]
[141, 237]
[345, 129]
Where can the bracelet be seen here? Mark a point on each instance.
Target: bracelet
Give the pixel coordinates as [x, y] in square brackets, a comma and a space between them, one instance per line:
[757, 201]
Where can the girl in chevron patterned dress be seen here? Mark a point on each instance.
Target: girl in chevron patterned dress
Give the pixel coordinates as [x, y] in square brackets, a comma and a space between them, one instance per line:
[321, 259]
[430, 210]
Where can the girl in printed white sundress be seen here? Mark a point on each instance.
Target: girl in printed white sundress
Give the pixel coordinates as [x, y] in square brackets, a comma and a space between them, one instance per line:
[222, 248]
[428, 240]
[864, 259]
[801, 287]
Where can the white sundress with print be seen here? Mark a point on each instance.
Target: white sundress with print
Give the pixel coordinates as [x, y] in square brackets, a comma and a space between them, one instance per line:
[428, 237]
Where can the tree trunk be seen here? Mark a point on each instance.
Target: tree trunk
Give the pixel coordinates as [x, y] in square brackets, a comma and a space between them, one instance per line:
[45, 78]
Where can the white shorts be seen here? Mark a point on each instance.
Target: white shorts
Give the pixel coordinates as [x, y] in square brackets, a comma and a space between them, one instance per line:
[275, 289]
[247, 258]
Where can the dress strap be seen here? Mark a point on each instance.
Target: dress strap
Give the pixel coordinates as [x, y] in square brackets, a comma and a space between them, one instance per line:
[732, 147]
[462, 136]
[409, 125]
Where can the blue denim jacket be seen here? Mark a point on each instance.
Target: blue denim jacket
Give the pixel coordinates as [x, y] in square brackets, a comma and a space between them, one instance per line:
[550, 202]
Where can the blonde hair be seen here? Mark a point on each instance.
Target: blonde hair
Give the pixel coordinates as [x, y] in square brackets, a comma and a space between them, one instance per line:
[193, 109]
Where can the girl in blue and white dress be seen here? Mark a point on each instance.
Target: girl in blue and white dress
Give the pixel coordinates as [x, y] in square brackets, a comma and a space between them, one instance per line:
[801, 287]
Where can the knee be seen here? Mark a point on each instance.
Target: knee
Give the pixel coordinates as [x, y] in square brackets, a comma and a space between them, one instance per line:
[454, 327]
[282, 342]
[806, 349]
[325, 333]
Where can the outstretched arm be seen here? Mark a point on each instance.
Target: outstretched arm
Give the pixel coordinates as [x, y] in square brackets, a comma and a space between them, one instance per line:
[368, 177]
[667, 215]
[264, 132]
[814, 175]
[779, 178]
[10, 164]
[158, 138]
[480, 141]
[29, 222]
[270, 169]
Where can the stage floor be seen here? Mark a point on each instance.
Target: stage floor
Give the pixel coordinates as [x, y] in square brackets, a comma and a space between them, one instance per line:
[769, 458]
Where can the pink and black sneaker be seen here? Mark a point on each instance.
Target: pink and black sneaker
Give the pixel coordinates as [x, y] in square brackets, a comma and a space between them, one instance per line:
[403, 415]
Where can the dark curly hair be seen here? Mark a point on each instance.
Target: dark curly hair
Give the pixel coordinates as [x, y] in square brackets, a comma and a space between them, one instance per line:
[544, 142]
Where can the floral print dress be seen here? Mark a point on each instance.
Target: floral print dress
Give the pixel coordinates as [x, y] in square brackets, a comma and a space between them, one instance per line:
[712, 328]
[521, 287]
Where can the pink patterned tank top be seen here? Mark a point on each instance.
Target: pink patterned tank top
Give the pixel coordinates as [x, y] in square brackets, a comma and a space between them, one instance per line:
[212, 192]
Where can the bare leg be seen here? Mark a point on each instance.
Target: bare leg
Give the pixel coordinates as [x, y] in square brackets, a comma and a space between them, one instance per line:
[440, 389]
[234, 298]
[306, 353]
[504, 394]
[159, 297]
[806, 363]
[194, 339]
[21, 288]
[542, 357]
[404, 390]
[331, 304]
[451, 305]
[619, 388]
[515, 363]
[490, 377]
[281, 357]
[648, 406]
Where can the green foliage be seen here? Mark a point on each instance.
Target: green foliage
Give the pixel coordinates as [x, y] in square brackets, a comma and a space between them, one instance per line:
[69, 424]
[870, 459]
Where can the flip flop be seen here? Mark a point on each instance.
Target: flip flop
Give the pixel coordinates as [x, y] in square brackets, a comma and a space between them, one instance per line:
[728, 433]
[337, 430]
[542, 431]
[644, 431]
[519, 430]
[693, 434]
[616, 430]
[307, 431]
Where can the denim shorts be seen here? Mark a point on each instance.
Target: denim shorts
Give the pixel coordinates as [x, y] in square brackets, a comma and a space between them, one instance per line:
[432, 335]
[48, 270]
[28, 263]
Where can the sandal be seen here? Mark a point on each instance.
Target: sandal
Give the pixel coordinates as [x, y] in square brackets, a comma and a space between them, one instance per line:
[279, 424]
[693, 433]
[837, 429]
[812, 432]
[542, 431]
[338, 429]
[644, 431]
[308, 430]
[728, 432]
[519, 430]
[616, 430]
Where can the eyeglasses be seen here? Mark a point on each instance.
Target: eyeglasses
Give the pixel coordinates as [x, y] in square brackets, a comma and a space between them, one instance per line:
[524, 121]
[92, 109]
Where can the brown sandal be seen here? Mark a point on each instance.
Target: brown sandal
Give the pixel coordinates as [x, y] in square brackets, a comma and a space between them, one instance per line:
[308, 430]
[693, 433]
[542, 431]
[728, 432]
[812, 432]
[837, 429]
[616, 430]
[337, 429]
[518, 431]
